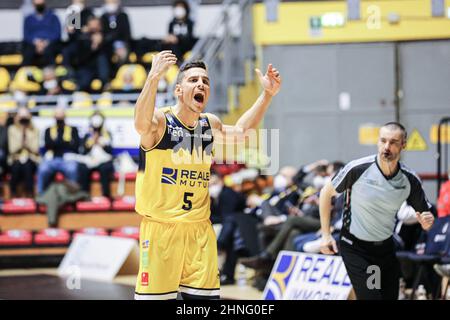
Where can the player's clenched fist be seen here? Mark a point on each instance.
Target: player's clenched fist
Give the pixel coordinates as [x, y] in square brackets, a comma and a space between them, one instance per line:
[161, 63]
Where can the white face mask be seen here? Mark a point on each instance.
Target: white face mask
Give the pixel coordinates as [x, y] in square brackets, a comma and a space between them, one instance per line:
[96, 121]
[50, 84]
[111, 7]
[215, 190]
[319, 182]
[280, 182]
[77, 7]
[179, 12]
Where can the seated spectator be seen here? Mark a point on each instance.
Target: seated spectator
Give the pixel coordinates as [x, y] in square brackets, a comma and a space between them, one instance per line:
[181, 30]
[116, 31]
[96, 145]
[51, 85]
[23, 143]
[42, 33]
[228, 203]
[60, 141]
[92, 58]
[4, 145]
[302, 218]
[76, 8]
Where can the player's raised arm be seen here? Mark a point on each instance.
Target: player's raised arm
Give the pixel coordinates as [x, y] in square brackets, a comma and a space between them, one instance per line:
[271, 83]
[144, 118]
[230, 134]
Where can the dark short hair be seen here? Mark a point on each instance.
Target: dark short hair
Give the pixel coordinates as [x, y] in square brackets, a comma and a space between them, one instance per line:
[189, 65]
[396, 126]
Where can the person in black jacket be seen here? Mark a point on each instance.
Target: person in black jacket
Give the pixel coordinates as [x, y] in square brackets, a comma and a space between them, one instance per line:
[92, 58]
[77, 12]
[227, 204]
[116, 31]
[60, 140]
[181, 30]
[96, 144]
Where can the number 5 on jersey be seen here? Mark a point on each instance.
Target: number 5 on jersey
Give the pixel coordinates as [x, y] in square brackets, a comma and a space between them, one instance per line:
[187, 202]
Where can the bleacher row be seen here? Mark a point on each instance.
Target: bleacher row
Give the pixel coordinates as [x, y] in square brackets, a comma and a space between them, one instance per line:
[59, 237]
[29, 79]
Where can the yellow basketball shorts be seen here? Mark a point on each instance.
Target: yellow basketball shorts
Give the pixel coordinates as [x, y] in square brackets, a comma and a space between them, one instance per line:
[177, 257]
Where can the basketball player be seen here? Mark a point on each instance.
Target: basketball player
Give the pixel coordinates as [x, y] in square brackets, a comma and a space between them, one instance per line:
[375, 188]
[178, 247]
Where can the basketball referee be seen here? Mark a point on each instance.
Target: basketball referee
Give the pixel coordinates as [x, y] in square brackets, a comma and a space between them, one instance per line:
[375, 187]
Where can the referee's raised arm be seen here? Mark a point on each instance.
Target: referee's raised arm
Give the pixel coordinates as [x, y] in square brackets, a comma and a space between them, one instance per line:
[328, 244]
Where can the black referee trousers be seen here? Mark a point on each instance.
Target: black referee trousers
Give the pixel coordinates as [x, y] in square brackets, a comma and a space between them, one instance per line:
[362, 261]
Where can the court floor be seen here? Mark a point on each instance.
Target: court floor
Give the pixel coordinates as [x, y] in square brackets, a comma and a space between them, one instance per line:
[37, 284]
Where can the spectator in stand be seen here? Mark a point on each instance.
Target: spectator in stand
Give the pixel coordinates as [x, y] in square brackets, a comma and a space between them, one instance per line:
[96, 145]
[3, 144]
[228, 203]
[51, 85]
[23, 143]
[60, 141]
[42, 33]
[116, 31]
[76, 9]
[181, 30]
[92, 58]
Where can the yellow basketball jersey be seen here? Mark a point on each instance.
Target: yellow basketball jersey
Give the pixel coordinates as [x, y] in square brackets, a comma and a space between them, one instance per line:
[173, 177]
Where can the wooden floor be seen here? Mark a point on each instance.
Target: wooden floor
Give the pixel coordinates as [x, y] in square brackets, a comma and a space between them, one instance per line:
[42, 284]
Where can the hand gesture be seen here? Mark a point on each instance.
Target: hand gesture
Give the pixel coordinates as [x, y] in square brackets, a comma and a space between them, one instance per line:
[328, 245]
[426, 220]
[161, 63]
[271, 81]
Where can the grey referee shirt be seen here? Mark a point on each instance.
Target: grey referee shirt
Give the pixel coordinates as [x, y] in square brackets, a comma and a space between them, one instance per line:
[375, 199]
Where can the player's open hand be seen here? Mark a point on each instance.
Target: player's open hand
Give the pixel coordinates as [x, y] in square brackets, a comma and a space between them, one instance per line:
[426, 219]
[271, 81]
[161, 62]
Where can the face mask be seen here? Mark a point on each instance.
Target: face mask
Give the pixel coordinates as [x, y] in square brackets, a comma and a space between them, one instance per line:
[24, 121]
[40, 8]
[96, 121]
[60, 122]
[280, 182]
[179, 12]
[215, 190]
[50, 84]
[111, 7]
[319, 182]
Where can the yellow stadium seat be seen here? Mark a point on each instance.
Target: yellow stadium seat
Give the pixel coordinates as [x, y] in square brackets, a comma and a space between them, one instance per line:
[132, 57]
[129, 76]
[172, 73]
[81, 99]
[5, 79]
[61, 71]
[11, 60]
[7, 101]
[187, 55]
[96, 84]
[148, 57]
[59, 59]
[105, 100]
[21, 81]
[69, 85]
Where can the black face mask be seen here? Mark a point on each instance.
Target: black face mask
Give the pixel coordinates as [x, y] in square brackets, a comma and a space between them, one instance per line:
[40, 8]
[60, 122]
[24, 122]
